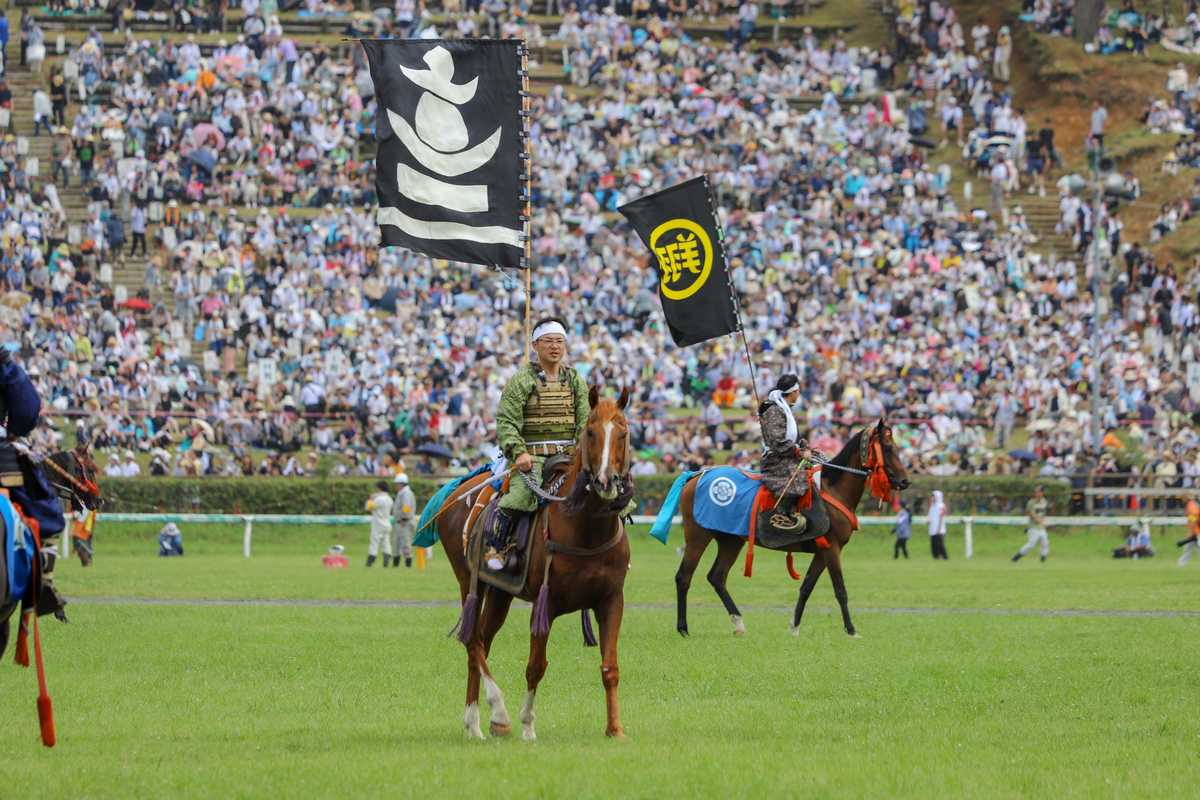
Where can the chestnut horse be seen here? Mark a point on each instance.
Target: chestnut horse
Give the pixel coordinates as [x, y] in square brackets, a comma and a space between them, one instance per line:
[839, 487]
[590, 558]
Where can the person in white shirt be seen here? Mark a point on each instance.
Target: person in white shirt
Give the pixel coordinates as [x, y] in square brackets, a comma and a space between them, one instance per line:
[380, 506]
[937, 526]
[130, 468]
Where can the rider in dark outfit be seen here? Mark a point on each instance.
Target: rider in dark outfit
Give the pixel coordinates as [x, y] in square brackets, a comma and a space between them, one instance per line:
[26, 485]
[784, 452]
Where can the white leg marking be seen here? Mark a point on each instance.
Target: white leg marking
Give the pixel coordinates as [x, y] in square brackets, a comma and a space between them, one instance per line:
[739, 627]
[795, 630]
[471, 722]
[527, 717]
[495, 699]
[608, 429]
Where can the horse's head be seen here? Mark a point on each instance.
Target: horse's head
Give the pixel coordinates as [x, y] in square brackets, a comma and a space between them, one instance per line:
[604, 450]
[72, 473]
[883, 455]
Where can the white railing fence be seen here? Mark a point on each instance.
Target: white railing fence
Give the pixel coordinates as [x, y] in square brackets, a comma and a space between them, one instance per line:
[968, 523]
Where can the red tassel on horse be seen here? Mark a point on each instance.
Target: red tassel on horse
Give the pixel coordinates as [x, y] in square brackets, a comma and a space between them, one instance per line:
[21, 655]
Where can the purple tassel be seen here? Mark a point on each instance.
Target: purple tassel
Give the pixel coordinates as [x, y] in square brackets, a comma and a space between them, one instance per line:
[470, 610]
[589, 638]
[541, 613]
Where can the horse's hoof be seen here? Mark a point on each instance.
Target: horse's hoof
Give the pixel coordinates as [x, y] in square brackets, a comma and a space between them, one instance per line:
[528, 735]
[795, 630]
[854, 634]
[739, 627]
[683, 631]
[498, 729]
[615, 733]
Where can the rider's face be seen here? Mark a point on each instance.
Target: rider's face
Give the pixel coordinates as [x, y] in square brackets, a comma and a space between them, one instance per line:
[550, 349]
[792, 397]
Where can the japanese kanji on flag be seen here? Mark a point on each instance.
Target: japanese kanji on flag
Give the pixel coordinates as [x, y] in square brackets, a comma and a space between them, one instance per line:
[449, 171]
[680, 227]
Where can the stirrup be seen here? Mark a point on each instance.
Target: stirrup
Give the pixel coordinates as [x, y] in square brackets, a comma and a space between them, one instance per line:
[49, 601]
[788, 522]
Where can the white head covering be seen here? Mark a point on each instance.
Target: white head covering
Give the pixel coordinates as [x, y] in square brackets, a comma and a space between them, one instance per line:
[549, 328]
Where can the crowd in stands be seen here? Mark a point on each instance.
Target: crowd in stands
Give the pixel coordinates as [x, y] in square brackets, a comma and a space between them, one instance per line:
[258, 327]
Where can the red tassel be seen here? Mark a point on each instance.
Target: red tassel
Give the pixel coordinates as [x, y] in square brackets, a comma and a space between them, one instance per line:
[45, 708]
[759, 501]
[22, 653]
[792, 569]
[821, 542]
[46, 718]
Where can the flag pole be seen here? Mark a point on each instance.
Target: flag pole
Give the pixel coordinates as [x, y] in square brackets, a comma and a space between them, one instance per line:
[733, 294]
[526, 111]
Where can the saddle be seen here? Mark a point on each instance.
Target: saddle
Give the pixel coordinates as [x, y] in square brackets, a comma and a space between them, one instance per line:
[483, 518]
[777, 530]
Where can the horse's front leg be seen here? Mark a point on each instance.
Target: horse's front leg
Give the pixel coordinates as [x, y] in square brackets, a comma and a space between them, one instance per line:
[834, 557]
[609, 615]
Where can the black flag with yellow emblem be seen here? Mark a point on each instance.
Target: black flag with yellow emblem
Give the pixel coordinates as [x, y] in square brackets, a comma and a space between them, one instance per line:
[680, 227]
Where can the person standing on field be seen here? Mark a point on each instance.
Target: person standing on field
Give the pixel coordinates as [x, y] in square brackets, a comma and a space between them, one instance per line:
[380, 506]
[937, 526]
[1037, 508]
[404, 512]
[903, 531]
[1191, 545]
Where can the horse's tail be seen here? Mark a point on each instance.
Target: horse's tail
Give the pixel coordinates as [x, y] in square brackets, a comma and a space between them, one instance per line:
[662, 523]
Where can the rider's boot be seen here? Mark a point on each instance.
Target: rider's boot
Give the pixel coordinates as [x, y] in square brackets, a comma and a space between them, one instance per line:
[49, 601]
[500, 541]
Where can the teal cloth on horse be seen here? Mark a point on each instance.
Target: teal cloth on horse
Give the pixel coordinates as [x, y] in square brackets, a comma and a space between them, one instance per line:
[19, 551]
[666, 513]
[426, 531]
[725, 500]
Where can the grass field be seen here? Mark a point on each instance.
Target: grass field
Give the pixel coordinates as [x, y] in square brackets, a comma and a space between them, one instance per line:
[979, 678]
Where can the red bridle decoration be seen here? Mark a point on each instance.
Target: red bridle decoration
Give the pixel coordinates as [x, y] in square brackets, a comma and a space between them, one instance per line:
[878, 482]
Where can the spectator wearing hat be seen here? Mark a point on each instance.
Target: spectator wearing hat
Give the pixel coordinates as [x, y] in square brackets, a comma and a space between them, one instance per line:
[902, 530]
[937, 526]
[1037, 508]
[404, 515]
[380, 506]
[130, 468]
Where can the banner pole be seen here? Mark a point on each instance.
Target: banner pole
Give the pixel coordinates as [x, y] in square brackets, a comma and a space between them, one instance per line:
[733, 294]
[527, 110]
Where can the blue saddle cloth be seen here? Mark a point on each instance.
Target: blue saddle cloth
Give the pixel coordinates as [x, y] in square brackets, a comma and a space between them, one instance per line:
[725, 500]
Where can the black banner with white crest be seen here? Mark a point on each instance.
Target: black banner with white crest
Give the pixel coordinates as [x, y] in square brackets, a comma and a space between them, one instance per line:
[449, 171]
[680, 227]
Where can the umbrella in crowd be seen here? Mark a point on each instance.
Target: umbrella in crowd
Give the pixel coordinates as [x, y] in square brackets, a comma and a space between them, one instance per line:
[436, 451]
[208, 135]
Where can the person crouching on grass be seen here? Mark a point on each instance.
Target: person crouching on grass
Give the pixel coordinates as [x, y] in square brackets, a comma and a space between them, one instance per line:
[380, 506]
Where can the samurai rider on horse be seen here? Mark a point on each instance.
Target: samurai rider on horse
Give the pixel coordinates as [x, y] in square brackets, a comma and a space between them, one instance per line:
[543, 411]
[786, 457]
[23, 478]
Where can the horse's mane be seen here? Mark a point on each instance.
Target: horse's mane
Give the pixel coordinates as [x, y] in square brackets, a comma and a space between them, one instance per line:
[842, 459]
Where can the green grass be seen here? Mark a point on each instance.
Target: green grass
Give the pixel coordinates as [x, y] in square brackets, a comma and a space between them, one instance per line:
[350, 701]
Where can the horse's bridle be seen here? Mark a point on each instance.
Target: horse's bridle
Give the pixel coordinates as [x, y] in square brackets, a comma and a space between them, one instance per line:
[77, 489]
[867, 444]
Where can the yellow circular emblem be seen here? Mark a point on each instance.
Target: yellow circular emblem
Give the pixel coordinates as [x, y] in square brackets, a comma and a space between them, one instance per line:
[685, 256]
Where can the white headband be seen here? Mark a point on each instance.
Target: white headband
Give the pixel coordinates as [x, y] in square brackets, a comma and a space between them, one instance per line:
[549, 328]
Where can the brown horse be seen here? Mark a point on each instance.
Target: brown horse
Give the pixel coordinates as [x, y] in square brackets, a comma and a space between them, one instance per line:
[590, 557]
[842, 490]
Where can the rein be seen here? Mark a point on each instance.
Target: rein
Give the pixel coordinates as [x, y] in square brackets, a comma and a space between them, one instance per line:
[539, 491]
[83, 487]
